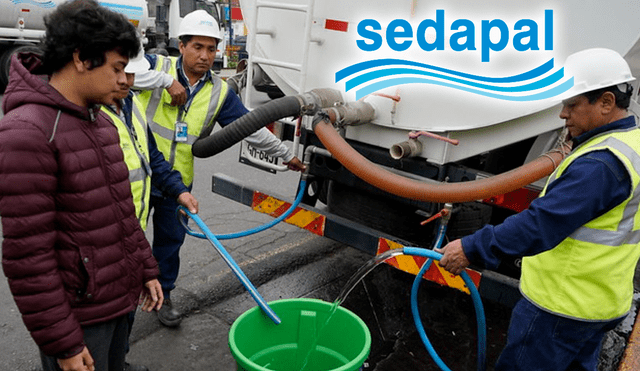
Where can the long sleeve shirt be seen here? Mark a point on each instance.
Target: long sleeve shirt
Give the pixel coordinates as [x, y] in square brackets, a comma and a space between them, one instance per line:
[231, 110]
[591, 186]
[163, 178]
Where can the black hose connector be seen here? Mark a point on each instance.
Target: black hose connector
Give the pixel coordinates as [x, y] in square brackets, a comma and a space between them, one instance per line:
[246, 125]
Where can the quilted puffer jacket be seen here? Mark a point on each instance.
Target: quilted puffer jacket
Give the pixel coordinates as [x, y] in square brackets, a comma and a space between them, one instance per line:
[72, 250]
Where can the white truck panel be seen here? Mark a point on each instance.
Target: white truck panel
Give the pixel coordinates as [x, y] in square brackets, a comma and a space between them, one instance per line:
[277, 38]
[23, 19]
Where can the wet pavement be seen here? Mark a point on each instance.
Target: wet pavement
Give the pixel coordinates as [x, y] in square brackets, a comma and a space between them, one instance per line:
[287, 262]
[381, 300]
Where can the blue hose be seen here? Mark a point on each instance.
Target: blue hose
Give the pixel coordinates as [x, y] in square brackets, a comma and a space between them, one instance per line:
[475, 296]
[234, 267]
[248, 232]
[214, 239]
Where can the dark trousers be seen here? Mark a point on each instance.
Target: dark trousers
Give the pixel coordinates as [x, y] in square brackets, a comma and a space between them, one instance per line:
[106, 343]
[168, 237]
[538, 340]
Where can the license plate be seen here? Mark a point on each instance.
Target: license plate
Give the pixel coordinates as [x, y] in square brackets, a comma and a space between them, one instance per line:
[252, 156]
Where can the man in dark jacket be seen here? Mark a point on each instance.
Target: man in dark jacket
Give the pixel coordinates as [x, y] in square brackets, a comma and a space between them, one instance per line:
[579, 239]
[73, 250]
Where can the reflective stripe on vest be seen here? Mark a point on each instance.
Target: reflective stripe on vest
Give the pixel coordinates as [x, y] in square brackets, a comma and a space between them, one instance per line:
[135, 147]
[203, 109]
[589, 275]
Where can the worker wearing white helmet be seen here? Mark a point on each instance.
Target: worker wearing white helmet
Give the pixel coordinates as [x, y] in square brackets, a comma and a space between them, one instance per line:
[176, 128]
[200, 23]
[579, 239]
[145, 163]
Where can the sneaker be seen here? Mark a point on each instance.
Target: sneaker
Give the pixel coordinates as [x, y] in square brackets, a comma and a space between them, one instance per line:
[129, 367]
[168, 315]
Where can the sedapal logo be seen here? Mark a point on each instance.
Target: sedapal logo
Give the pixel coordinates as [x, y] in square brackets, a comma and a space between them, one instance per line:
[482, 41]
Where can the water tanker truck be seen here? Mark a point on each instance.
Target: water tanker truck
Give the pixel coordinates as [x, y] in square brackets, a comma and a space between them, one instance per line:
[451, 97]
[22, 24]
[457, 92]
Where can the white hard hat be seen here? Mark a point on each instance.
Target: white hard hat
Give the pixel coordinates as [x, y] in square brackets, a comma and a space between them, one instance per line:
[199, 23]
[596, 68]
[137, 64]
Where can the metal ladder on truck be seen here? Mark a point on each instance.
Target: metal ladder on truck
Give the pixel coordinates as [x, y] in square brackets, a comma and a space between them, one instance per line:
[252, 25]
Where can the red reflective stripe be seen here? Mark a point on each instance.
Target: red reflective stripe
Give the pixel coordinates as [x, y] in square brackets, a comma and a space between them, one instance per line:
[517, 200]
[236, 14]
[332, 24]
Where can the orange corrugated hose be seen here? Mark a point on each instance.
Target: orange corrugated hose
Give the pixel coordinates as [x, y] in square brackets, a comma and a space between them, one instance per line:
[443, 192]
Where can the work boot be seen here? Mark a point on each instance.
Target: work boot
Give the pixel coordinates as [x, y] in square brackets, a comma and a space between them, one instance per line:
[168, 315]
[129, 367]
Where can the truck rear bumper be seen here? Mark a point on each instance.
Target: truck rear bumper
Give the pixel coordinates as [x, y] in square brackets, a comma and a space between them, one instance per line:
[492, 286]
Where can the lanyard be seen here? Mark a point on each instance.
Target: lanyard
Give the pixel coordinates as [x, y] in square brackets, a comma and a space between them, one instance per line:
[191, 91]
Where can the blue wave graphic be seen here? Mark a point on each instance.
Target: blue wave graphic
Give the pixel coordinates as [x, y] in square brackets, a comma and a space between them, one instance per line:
[528, 81]
[40, 4]
[358, 67]
[134, 12]
[516, 98]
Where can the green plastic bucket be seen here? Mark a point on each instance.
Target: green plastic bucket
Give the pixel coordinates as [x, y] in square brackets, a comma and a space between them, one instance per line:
[258, 344]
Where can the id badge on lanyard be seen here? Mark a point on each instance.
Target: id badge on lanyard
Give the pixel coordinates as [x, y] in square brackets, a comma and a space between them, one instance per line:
[181, 134]
[181, 131]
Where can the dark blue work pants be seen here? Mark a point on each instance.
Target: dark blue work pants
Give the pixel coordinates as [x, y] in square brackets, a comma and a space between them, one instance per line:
[168, 237]
[538, 340]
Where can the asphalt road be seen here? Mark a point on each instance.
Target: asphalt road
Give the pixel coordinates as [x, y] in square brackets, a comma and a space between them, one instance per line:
[283, 262]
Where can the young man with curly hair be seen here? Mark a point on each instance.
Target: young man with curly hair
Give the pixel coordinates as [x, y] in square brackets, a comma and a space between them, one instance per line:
[74, 253]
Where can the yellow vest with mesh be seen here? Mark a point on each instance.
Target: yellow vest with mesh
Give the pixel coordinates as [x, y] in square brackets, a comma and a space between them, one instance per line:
[589, 275]
[199, 115]
[135, 147]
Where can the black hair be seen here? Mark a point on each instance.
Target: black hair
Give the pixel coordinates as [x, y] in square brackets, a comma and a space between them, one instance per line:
[89, 28]
[622, 98]
[184, 39]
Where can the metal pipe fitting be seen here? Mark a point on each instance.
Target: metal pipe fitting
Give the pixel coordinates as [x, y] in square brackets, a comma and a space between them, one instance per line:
[408, 148]
[352, 113]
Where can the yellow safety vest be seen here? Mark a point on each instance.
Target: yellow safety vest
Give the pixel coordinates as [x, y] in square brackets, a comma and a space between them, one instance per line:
[199, 115]
[135, 147]
[589, 275]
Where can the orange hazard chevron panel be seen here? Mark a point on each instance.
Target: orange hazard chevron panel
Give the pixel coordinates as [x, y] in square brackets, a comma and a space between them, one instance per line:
[435, 273]
[305, 219]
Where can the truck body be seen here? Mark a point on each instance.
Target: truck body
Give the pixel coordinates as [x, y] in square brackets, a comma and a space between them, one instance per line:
[432, 67]
[22, 24]
[163, 35]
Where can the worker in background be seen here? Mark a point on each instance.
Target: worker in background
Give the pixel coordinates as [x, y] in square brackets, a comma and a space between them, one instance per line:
[176, 128]
[73, 251]
[145, 163]
[579, 239]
